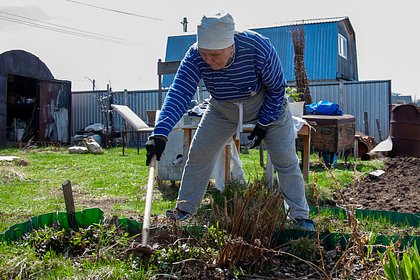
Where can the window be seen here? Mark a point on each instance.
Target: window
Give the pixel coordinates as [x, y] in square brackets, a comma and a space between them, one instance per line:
[342, 46]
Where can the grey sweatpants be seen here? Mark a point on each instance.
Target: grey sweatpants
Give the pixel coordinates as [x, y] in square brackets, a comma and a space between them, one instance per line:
[218, 124]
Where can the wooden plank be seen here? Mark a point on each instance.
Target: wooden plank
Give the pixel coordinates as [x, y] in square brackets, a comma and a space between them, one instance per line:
[168, 67]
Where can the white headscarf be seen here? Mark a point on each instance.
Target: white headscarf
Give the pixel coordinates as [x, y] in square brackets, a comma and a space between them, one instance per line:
[216, 32]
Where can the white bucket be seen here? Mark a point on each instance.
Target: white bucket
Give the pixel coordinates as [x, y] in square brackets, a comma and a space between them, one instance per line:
[296, 108]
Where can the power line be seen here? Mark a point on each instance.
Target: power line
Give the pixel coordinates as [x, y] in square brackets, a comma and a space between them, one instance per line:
[38, 23]
[113, 10]
[63, 29]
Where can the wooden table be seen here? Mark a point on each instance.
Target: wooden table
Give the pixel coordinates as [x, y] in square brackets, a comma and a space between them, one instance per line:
[304, 132]
[333, 135]
[138, 133]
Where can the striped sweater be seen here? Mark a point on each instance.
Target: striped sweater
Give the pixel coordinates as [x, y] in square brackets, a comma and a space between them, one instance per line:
[255, 63]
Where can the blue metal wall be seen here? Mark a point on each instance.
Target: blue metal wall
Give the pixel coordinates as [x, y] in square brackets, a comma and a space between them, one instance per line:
[320, 49]
[176, 47]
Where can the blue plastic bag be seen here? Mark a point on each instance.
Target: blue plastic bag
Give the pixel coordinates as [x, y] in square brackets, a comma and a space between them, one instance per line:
[323, 108]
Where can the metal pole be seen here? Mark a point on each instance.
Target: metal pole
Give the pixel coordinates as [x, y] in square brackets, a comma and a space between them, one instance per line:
[184, 23]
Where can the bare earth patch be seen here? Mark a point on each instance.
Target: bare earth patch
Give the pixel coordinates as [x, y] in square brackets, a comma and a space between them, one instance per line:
[398, 189]
[106, 204]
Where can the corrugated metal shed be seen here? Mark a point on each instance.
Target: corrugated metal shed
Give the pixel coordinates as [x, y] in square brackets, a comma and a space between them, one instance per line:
[354, 98]
[88, 109]
[321, 55]
[24, 76]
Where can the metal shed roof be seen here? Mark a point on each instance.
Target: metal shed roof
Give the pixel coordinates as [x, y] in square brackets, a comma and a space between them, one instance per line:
[320, 50]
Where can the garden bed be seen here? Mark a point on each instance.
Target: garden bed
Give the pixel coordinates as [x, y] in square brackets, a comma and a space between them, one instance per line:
[110, 248]
[398, 189]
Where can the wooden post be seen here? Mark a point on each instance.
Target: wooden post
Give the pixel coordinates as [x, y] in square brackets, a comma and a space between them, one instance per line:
[366, 121]
[68, 198]
[306, 131]
[159, 85]
[378, 126]
[269, 173]
[227, 164]
[14, 124]
[237, 144]
[124, 126]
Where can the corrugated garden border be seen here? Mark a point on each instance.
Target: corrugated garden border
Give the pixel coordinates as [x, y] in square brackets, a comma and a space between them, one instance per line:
[92, 216]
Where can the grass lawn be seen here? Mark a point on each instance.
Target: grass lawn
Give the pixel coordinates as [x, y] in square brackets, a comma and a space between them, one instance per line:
[115, 183]
[32, 185]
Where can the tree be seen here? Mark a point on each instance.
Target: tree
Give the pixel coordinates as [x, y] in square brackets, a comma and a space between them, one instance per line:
[302, 84]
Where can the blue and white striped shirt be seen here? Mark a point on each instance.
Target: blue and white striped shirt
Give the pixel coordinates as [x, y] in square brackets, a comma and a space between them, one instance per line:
[256, 62]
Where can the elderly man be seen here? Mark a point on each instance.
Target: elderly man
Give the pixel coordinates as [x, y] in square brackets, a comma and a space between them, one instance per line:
[243, 74]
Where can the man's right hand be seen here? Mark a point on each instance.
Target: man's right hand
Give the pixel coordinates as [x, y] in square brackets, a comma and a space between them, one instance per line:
[154, 146]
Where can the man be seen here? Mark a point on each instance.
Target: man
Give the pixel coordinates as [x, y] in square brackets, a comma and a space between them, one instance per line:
[244, 76]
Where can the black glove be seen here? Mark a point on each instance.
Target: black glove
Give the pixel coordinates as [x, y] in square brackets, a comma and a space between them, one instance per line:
[154, 146]
[257, 135]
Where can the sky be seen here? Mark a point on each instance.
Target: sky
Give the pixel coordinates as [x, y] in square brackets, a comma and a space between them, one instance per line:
[118, 43]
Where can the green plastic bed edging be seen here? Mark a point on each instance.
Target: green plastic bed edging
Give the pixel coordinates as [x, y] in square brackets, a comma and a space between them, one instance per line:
[396, 218]
[329, 240]
[91, 216]
[84, 218]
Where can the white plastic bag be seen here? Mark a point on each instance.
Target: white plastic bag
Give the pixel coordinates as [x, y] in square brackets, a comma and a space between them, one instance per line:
[236, 173]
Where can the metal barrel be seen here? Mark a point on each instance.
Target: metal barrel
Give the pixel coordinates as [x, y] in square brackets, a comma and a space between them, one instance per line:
[405, 130]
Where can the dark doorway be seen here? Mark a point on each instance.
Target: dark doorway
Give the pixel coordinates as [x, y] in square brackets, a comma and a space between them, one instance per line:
[37, 110]
[22, 108]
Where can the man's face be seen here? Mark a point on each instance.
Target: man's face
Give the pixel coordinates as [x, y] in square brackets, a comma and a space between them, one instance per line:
[216, 59]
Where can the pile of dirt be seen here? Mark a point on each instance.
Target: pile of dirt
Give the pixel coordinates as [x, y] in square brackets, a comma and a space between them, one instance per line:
[398, 189]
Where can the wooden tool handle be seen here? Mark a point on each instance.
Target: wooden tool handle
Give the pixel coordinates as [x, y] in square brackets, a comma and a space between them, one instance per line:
[148, 207]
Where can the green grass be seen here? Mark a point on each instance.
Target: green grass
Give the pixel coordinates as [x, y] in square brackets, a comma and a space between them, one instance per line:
[116, 183]
[32, 186]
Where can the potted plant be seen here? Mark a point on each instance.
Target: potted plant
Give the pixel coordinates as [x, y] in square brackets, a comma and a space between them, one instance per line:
[295, 102]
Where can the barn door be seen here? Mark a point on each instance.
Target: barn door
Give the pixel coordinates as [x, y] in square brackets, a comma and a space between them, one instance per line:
[54, 111]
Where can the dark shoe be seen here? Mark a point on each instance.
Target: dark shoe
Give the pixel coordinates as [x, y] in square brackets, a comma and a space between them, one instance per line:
[305, 224]
[177, 215]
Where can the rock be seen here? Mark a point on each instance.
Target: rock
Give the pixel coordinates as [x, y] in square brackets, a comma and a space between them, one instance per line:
[93, 146]
[8, 158]
[78, 150]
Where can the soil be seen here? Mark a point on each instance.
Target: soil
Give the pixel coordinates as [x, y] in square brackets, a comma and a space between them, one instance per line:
[398, 189]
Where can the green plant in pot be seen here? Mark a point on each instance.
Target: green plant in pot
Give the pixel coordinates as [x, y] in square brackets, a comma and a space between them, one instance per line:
[296, 102]
[293, 95]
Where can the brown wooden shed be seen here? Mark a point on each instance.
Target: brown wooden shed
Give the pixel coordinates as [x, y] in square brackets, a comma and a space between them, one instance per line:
[33, 105]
